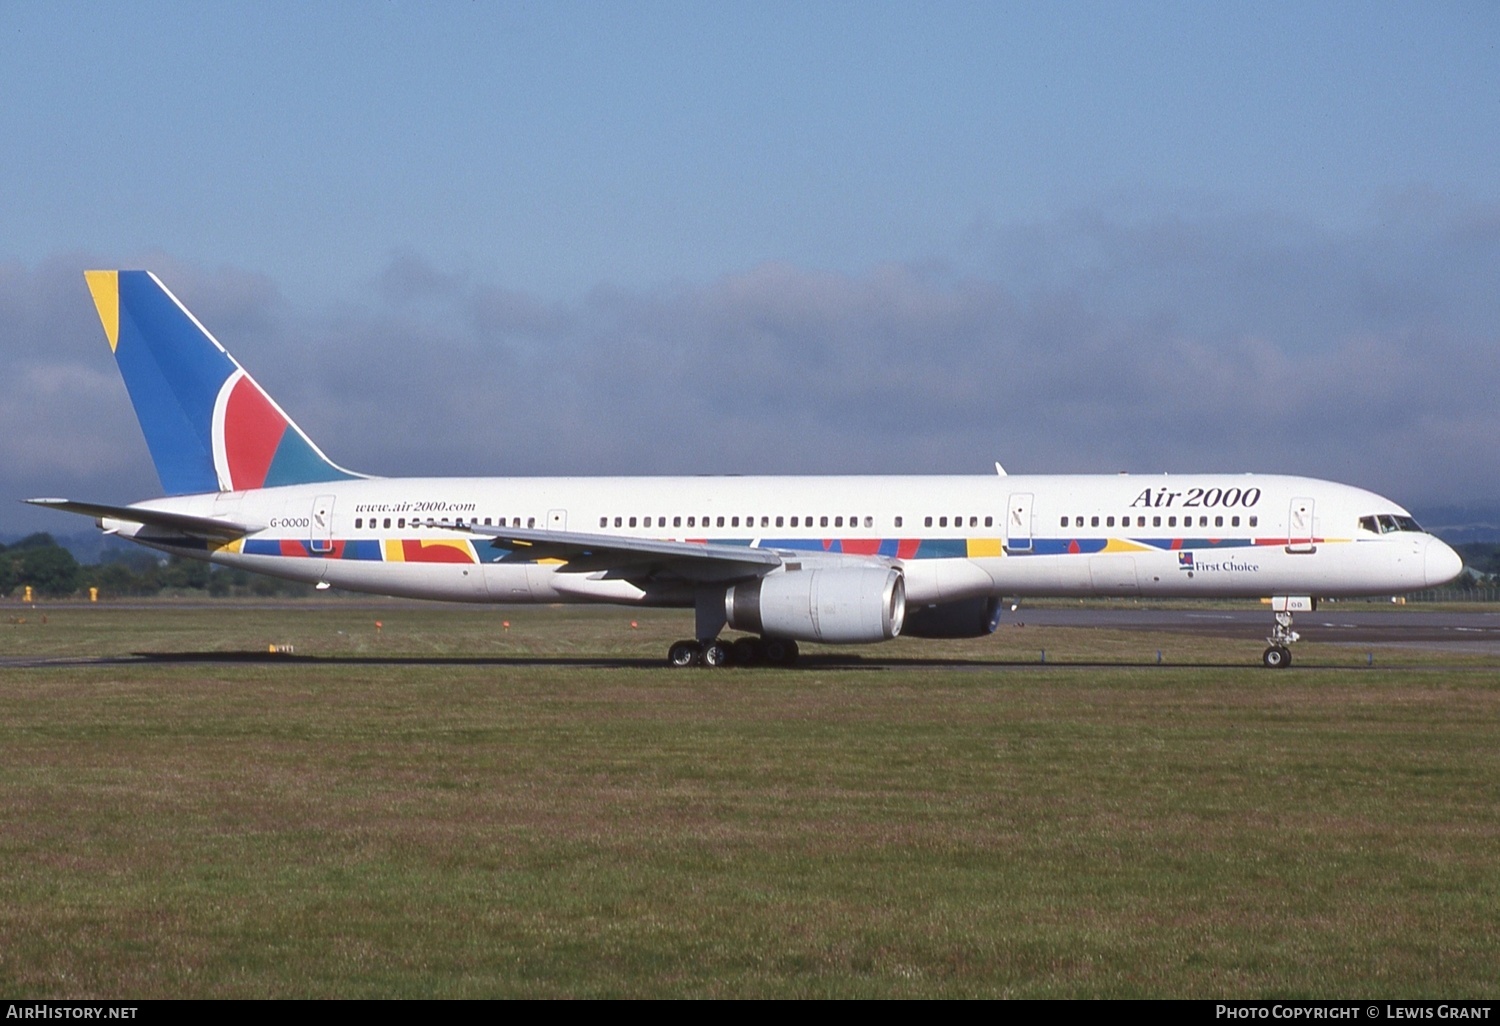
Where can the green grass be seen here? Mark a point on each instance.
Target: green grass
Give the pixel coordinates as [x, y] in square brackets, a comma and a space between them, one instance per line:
[452, 809]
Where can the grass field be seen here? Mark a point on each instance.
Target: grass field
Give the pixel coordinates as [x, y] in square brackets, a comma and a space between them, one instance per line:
[450, 808]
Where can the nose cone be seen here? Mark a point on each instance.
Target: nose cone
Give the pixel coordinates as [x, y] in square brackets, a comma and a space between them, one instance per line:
[1441, 564]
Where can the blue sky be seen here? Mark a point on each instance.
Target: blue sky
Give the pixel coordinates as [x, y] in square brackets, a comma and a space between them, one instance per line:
[578, 238]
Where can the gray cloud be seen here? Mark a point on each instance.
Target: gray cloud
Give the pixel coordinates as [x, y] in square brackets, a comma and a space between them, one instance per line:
[1204, 341]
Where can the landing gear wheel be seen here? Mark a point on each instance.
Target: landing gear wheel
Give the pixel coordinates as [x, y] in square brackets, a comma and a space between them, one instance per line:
[715, 654]
[684, 653]
[779, 652]
[745, 651]
[1277, 657]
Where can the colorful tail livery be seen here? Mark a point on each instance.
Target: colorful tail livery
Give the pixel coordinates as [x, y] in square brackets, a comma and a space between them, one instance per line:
[208, 425]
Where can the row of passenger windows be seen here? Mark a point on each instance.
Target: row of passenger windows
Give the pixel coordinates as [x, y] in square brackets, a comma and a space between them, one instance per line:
[786, 521]
[731, 521]
[1385, 523]
[1156, 521]
[856, 521]
[400, 522]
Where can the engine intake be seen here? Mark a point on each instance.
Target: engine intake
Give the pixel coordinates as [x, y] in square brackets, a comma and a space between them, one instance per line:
[839, 606]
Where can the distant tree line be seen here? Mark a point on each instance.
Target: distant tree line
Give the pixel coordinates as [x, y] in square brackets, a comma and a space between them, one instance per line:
[1483, 558]
[52, 572]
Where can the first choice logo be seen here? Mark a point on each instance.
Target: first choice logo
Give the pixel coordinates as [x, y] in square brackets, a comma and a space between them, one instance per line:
[1186, 562]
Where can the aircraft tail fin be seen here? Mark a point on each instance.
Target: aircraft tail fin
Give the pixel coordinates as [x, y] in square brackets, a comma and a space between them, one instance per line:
[208, 425]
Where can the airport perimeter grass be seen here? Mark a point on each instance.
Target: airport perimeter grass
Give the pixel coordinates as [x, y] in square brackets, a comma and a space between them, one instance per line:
[451, 809]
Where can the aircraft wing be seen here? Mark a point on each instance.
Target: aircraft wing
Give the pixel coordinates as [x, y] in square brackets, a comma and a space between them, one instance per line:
[186, 523]
[628, 558]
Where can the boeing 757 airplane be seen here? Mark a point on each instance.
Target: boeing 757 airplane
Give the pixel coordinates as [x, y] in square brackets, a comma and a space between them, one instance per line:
[782, 559]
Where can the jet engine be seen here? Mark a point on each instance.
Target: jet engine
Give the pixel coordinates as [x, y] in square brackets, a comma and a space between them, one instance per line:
[966, 618]
[835, 606]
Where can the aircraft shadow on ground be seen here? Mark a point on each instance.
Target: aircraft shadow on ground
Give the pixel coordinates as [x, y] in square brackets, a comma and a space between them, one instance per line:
[805, 663]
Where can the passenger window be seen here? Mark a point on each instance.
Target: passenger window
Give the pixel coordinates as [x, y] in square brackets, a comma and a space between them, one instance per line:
[1234, 521]
[632, 521]
[388, 521]
[822, 521]
[1218, 521]
[765, 521]
[358, 523]
[989, 521]
[1255, 521]
[898, 521]
[838, 521]
[531, 521]
[1156, 521]
[721, 522]
[401, 522]
[869, 521]
[927, 522]
[794, 522]
[779, 522]
[1171, 521]
[1065, 521]
[942, 521]
[1093, 521]
[1109, 522]
[973, 521]
[735, 522]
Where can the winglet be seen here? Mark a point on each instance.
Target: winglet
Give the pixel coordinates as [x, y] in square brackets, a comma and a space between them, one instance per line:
[105, 285]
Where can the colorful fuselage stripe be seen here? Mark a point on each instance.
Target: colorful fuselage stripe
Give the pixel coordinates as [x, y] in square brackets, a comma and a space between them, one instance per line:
[466, 550]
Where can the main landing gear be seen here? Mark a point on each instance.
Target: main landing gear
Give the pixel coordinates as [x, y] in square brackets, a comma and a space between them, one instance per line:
[741, 652]
[1278, 656]
[709, 650]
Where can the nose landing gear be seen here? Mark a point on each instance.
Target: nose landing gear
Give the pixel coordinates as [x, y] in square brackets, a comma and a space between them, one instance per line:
[1278, 654]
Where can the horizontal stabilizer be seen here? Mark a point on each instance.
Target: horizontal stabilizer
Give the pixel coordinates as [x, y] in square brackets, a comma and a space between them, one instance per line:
[206, 527]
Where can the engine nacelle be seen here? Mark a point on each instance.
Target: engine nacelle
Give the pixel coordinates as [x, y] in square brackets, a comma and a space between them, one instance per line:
[966, 618]
[836, 606]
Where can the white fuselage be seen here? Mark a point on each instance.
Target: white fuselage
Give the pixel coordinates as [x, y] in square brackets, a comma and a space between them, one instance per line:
[953, 538]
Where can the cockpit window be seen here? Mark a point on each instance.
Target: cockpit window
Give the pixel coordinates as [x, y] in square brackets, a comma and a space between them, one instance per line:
[1388, 523]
